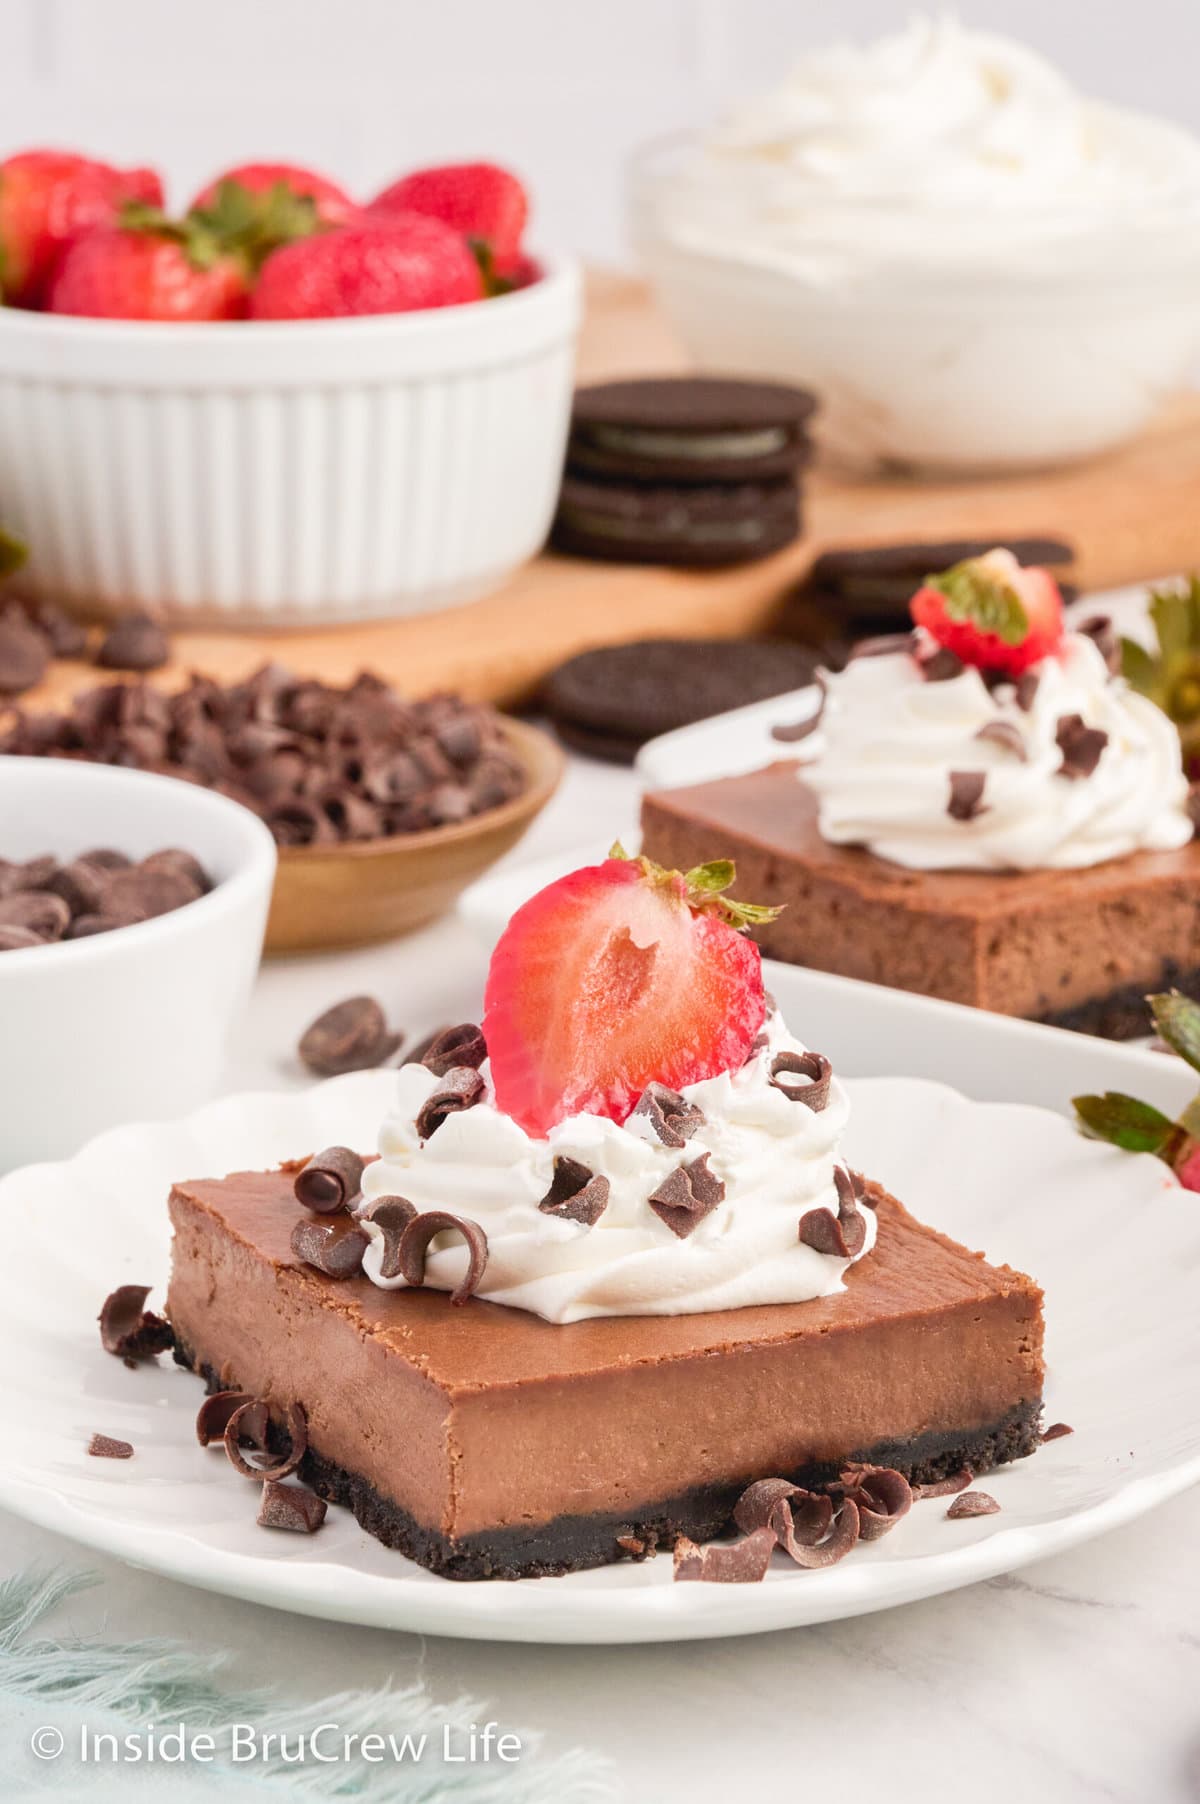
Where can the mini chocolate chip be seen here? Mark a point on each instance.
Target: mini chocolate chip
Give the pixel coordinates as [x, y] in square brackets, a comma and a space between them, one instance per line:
[181, 864]
[941, 666]
[103, 1446]
[333, 1248]
[686, 1195]
[212, 1418]
[250, 1424]
[24, 656]
[464, 1045]
[815, 1074]
[414, 1246]
[972, 1503]
[290, 1507]
[18, 939]
[330, 1180]
[37, 911]
[576, 1192]
[1007, 736]
[391, 1215]
[945, 1487]
[147, 893]
[66, 635]
[1056, 1431]
[81, 886]
[460, 1088]
[1081, 746]
[1103, 634]
[673, 1119]
[882, 1496]
[300, 823]
[35, 873]
[135, 643]
[128, 1329]
[966, 794]
[351, 1036]
[829, 1549]
[743, 1562]
[1028, 684]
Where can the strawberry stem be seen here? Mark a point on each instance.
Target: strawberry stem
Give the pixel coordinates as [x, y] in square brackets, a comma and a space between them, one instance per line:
[703, 888]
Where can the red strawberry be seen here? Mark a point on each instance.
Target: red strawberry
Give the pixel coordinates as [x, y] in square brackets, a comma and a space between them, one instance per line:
[49, 197]
[1188, 1168]
[332, 204]
[480, 200]
[381, 266]
[614, 977]
[152, 271]
[993, 612]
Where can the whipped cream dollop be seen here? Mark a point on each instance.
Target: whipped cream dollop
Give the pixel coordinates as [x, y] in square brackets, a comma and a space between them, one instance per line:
[972, 135]
[890, 739]
[775, 1155]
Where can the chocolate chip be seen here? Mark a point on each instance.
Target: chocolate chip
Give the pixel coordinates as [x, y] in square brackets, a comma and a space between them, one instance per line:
[423, 1048]
[351, 1036]
[744, 1562]
[1103, 634]
[180, 864]
[966, 794]
[673, 1119]
[135, 643]
[1080, 745]
[460, 1088]
[250, 1425]
[1028, 684]
[945, 1487]
[37, 912]
[34, 873]
[330, 1180]
[145, 893]
[333, 1248]
[972, 1503]
[67, 637]
[103, 1446]
[301, 823]
[842, 1534]
[131, 1331]
[941, 666]
[414, 1246]
[24, 656]
[81, 886]
[1056, 1431]
[462, 1046]
[815, 1074]
[18, 939]
[882, 1496]
[576, 1192]
[1007, 736]
[291, 1507]
[213, 1416]
[686, 1195]
[391, 1215]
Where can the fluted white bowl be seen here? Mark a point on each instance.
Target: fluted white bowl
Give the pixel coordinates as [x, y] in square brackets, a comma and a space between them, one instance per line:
[252, 473]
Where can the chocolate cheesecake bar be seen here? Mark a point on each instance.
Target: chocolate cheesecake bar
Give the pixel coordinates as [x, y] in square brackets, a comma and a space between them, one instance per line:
[484, 1441]
[1075, 948]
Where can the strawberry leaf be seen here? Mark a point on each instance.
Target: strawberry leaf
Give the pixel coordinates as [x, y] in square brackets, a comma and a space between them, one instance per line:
[493, 282]
[1139, 668]
[1177, 1019]
[1189, 1121]
[746, 914]
[705, 880]
[1125, 1122]
[617, 850]
[975, 594]
[13, 553]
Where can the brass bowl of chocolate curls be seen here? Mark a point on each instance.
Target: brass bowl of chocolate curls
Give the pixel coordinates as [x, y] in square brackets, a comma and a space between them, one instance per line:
[383, 808]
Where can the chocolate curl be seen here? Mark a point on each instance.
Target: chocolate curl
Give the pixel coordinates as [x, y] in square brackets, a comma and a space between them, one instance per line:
[330, 1181]
[673, 1119]
[882, 1496]
[291, 1507]
[835, 1546]
[460, 1088]
[841, 1235]
[391, 1215]
[686, 1195]
[576, 1192]
[743, 1563]
[414, 1245]
[1007, 736]
[131, 1331]
[945, 1487]
[754, 1506]
[1056, 1431]
[972, 1503]
[459, 1047]
[213, 1416]
[332, 1249]
[815, 1074]
[966, 794]
[251, 1422]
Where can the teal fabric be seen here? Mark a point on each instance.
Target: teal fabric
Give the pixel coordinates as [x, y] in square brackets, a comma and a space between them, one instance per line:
[52, 1688]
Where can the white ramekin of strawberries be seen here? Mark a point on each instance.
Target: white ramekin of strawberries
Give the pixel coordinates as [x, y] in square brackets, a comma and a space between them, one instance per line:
[281, 405]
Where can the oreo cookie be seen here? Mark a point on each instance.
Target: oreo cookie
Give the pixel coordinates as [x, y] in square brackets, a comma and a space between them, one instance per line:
[661, 523]
[610, 701]
[869, 590]
[700, 429]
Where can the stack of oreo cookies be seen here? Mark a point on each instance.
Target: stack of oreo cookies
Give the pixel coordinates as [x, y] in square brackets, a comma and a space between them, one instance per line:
[856, 593]
[687, 470]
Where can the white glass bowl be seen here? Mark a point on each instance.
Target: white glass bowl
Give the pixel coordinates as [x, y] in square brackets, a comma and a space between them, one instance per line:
[253, 473]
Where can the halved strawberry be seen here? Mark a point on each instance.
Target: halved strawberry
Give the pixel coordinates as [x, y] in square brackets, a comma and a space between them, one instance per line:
[617, 976]
[992, 612]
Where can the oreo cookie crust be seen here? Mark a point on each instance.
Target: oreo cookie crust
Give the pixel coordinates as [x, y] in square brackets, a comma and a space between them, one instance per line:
[690, 429]
[703, 526]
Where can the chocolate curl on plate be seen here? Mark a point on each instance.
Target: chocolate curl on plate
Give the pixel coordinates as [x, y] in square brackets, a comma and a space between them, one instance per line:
[576, 1192]
[212, 1418]
[945, 1487]
[1081, 746]
[330, 1181]
[331, 1247]
[777, 1504]
[815, 1075]
[743, 1563]
[291, 1507]
[131, 1331]
[351, 1036]
[251, 1422]
[966, 794]
[1055, 1432]
[686, 1195]
[754, 1506]
[453, 1047]
[972, 1503]
[673, 1119]
[881, 1495]
[460, 1088]
[414, 1245]
[834, 1546]
[391, 1215]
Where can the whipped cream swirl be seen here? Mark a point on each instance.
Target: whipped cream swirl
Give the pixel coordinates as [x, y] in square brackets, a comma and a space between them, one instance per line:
[775, 1156]
[890, 738]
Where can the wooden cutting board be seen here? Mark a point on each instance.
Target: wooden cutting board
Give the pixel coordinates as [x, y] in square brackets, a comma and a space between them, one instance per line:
[1133, 514]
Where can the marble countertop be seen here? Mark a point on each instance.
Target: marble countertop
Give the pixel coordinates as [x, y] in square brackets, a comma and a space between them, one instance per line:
[1074, 1680]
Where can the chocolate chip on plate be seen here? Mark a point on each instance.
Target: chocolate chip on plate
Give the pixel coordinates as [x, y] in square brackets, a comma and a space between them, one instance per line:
[972, 1503]
[291, 1507]
[351, 1036]
[131, 1331]
[135, 643]
[103, 1446]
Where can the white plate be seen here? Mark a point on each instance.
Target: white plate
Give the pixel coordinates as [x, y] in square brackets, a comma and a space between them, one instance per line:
[1115, 1243]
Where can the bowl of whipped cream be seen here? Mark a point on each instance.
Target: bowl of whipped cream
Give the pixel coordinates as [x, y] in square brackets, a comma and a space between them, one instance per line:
[975, 267]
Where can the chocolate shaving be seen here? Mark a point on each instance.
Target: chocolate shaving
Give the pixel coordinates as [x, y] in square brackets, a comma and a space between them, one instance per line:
[1028, 684]
[945, 1487]
[743, 1563]
[103, 1446]
[1080, 745]
[686, 1195]
[414, 1246]
[1007, 736]
[834, 1545]
[131, 1331]
[462, 1046]
[797, 730]
[330, 1181]
[882, 1496]
[251, 1423]
[941, 666]
[821, 1230]
[212, 1418]
[885, 645]
[673, 1119]
[753, 1508]
[815, 1071]
[291, 1507]
[966, 794]
[972, 1503]
[635, 1548]
[459, 1089]
[1056, 1431]
[351, 1036]
[1104, 636]
[391, 1215]
[576, 1192]
[797, 1518]
[332, 1248]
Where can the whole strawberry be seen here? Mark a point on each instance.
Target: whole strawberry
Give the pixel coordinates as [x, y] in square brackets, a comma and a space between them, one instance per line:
[482, 201]
[150, 269]
[331, 205]
[380, 266]
[47, 199]
[993, 613]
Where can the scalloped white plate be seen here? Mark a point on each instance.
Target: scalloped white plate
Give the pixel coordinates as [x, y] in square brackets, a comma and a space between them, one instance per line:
[1115, 1243]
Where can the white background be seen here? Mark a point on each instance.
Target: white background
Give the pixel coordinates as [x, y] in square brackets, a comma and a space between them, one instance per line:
[561, 89]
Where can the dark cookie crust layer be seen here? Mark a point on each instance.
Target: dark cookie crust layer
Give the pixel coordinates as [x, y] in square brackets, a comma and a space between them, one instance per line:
[1123, 1013]
[575, 1543]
